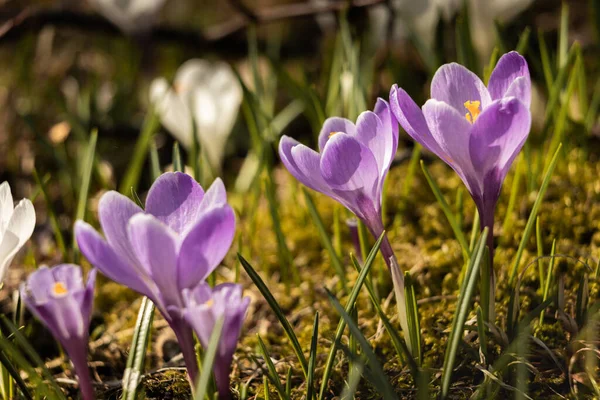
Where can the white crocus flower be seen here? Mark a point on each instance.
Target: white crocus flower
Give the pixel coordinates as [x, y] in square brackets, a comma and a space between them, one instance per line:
[16, 226]
[131, 16]
[205, 94]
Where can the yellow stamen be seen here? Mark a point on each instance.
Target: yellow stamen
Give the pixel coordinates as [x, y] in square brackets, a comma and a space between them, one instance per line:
[59, 289]
[473, 107]
[331, 134]
[209, 303]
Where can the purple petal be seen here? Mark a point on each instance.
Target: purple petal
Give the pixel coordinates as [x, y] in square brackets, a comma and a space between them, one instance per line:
[155, 245]
[175, 199]
[303, 163]
[413, 121]
[379, 132]
[347, 164]
[454, 84]
[103, 257]
[452, 131]
[215, 196]
[351, 171]
[114, 212]
[333, 125]
[205, 246]
[496, 138]
[509, 68]
[88, 299]
[69, 275]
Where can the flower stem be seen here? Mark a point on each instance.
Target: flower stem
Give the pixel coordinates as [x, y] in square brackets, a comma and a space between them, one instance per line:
[78, 354]
[487, 220]
[185, 338]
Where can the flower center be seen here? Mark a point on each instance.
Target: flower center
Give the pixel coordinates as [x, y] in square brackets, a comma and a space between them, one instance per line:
[59, 289]
[473, 107]
[209, 303]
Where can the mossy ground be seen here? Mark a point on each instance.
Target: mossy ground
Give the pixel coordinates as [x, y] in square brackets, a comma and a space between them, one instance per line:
[425, 246]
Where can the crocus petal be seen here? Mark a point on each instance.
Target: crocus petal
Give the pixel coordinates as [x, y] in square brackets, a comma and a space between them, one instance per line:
[350, 169]
[521, 89]
[20, 225]
[390, 124]
[205, 246]
[496, 138]
[155, 245]
[303, 163]
[69, 275]
[8, 246]
[378, 134]
[333, 125]
[455, 85]
[114, 211]
[174, 113]
[215, 196]
[452, 132]
[510, 67]
[412, 120]
[6, 205]
[103, 257]
[175, 200]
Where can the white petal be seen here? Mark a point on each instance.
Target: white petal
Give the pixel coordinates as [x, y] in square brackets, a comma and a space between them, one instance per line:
[8, 248]
[22, 221]
[174, 113]
[130, 15]
[6, 205]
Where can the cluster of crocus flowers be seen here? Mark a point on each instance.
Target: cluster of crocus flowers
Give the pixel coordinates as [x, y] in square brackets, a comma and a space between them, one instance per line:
[204, 100]
[477, 130]
[351, 168]
[59, 298]
[166, 249]
[16, 226]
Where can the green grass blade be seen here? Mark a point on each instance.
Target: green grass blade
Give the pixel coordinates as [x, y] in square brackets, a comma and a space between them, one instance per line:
[30, 352]
[523, 44]
[458, 233]
[349, 305]
[283, 252]
[178, 164]
[545, 58]
[326, 239]
[272, 372]
[353, 380]
[533, 215]
[592, 113]
[60, 240]
[14, 374]
[209, 359]
[487, 70]
[413, 318]
[289, 331]
[154, 162]
[381, 383]
[548, 280]
[563, 35]
[140, 151]
[84, 190]
[462, 311]
[137, 356]
[397, 341]
[514, 191]
[312, 359]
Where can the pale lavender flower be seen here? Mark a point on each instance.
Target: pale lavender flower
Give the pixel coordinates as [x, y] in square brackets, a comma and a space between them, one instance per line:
[58, 297]
[353, 162]
[203, 307]
[477, 131]
[173, 245]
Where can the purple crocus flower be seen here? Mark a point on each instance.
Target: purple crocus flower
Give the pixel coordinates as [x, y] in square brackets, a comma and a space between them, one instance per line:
[203, 307]
[352, 165]
[173, 245]
[58, 297]
[477, 131]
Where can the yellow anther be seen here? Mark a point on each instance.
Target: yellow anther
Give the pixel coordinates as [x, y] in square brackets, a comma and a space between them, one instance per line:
[331, 134]
[473, 108]
[59, 289]
[209, 303]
